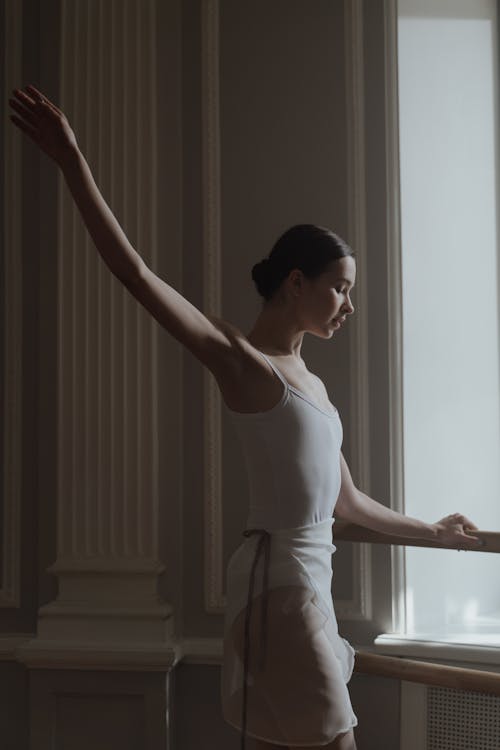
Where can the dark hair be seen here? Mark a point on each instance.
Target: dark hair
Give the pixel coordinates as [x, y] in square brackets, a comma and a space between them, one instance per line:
[307, 247]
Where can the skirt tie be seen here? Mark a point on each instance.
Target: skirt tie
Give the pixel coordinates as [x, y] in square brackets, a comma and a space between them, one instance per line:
[263, 545]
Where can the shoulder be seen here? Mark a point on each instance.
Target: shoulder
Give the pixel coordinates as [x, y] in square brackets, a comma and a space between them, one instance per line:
[243, 353]
[233, 333]
[246, 381]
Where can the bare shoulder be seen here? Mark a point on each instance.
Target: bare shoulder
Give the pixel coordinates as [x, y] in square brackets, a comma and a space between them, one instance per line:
[232, 332]
[246, 381]
[217, 344]
[244, 353]
[245, 358]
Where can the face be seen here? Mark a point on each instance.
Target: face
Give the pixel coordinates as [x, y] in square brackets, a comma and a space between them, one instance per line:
[324, 302]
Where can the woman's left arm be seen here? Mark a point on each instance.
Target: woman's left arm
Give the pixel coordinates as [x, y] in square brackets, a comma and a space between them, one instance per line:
[357, 507]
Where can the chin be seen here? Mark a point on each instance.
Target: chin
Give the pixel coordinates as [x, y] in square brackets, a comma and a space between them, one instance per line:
[323, 333]
[323, 329]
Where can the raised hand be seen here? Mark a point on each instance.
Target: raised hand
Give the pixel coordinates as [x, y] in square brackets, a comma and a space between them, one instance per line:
[43, 122]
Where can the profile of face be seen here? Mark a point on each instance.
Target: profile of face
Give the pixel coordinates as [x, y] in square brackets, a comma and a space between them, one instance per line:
[322, 304]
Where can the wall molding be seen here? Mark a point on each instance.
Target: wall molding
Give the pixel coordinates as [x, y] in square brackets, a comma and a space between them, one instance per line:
[395, 307]
[10, 642]
[202, 651]
[359, 607]
[215, 600]
[10, 539]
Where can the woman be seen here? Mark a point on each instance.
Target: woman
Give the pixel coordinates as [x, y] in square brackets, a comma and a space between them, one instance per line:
[285, 665]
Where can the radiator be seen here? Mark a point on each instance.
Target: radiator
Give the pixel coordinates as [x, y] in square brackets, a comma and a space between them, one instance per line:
[438, 718]
[462, 720]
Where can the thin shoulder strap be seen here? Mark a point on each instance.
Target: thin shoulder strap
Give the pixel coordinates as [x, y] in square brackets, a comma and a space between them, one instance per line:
[278, 373]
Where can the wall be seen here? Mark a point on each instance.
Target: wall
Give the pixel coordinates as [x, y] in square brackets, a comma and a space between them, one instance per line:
[284, 146]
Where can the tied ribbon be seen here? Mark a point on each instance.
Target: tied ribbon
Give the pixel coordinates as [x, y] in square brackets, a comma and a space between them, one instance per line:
[264, 544]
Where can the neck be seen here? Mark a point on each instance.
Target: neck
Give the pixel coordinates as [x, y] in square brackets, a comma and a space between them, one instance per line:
[276, 332]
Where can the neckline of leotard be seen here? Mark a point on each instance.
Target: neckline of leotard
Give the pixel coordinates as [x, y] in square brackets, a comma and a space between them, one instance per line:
[298, 392]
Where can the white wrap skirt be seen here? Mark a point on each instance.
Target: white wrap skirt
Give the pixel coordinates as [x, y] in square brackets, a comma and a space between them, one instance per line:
[285, 666]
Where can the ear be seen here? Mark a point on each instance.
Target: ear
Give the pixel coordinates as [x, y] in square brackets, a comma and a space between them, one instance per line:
[296, 279]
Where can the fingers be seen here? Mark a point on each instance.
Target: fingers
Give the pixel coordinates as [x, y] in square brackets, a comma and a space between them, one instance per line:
[469, 538]
[23, 111]
[459, 518]
[26, 100]
[462, 525]
[472, 542]
[36, 102]
[41, 97]
[35, 93]
[468, 523]
[24, 126]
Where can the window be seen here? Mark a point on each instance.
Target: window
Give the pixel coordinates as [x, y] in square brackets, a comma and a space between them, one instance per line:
[448, 134]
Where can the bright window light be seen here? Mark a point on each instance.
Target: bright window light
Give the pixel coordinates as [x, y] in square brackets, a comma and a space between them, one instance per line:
[448, 121]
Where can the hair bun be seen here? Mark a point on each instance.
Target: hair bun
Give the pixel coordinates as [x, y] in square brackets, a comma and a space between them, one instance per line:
[261, 275]
[260, 269]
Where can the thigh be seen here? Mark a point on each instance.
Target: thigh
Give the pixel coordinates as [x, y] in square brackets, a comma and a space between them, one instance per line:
[302, 683]
[289, 616]
[343, 741]
[261, 745]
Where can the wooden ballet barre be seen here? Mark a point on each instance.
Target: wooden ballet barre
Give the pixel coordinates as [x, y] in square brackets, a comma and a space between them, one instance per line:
[350, 532]
[429, 674]
[402, 668]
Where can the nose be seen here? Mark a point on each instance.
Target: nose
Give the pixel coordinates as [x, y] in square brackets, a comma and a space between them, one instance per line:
[348, 307]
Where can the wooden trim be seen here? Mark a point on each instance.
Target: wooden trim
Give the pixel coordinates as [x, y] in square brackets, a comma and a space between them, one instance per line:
[358, 606]
[395, 302]
[429, 674]
[215, 599]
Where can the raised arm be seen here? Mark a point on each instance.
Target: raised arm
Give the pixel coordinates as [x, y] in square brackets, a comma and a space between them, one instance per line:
[47, 126]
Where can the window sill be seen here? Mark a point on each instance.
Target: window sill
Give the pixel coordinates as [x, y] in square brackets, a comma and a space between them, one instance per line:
[477, 647]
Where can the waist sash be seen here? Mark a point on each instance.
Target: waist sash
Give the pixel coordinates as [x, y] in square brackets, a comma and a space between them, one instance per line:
[264, 544]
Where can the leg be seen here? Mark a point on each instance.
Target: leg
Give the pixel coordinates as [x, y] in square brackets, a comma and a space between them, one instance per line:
[344, 741]
[300, 662]
[261, 745]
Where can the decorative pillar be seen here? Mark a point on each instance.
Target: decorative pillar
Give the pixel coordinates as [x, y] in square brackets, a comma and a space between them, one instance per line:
[107, 612]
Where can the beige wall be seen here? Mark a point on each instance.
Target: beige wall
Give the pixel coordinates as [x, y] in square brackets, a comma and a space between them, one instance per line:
[284, 160]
